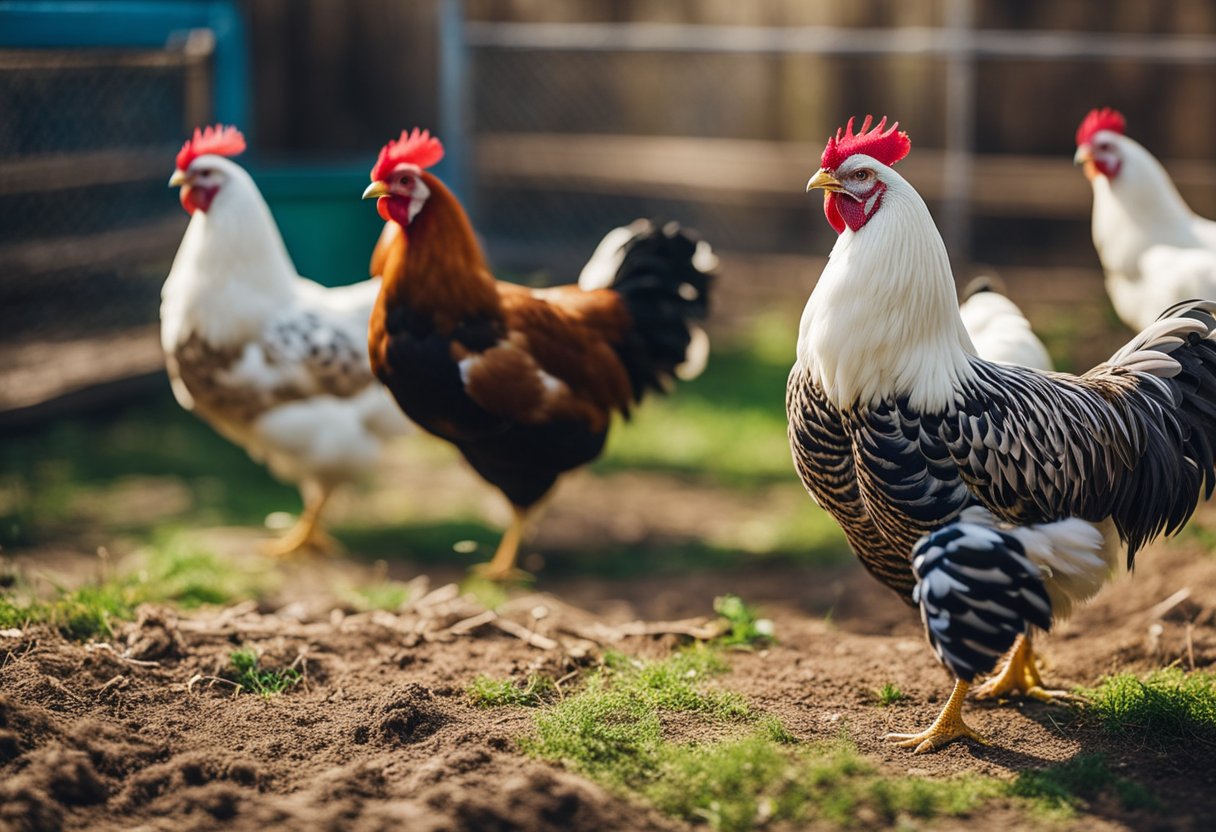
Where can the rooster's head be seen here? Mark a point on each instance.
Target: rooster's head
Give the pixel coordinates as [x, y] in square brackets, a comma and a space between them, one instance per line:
[201, 169]
[397, 180]
[1098, 140]
[851, 171]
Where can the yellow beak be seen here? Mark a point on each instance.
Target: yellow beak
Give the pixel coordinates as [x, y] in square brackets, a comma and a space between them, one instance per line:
[1085, 153]
[823, 179]
[178, 179]
[376, 190]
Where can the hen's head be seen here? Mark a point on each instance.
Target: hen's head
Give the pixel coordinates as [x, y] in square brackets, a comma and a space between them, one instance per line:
[1100, 143]
[397, 181]
[852, 171]
[202, 171]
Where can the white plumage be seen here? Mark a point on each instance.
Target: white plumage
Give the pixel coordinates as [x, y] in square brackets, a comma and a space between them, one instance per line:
[1154, 249]
[275, 362]
[998, 329]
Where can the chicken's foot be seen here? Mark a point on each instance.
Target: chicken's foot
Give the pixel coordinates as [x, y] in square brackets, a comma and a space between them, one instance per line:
[502, 566]
[1019, 676]
[947, 728]
[307, 533]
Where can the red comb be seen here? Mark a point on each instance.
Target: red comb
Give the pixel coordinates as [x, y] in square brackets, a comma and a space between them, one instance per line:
[888, 147]
[415, 147]
[220, 140]
[1104, 119]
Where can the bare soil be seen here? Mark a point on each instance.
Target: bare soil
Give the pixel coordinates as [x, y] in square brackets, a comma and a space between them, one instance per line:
[139, 732]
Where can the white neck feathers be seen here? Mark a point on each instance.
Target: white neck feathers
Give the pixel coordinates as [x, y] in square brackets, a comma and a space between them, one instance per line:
[1140, 207]
[232, 270]
[883, 319]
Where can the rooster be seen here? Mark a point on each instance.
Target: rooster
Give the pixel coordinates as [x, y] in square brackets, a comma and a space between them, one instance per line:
[523, 381]
[973, 489]
[273, 361]
[998, 329]
[1154, 249]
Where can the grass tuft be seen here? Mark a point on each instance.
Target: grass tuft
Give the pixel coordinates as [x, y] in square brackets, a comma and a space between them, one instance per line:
[248, 673]
[888, 695]
[531, 692]
[172, 570]
[746, 627]
[1070, 786]
[616, 730]
[1166, 708]
[384, 594]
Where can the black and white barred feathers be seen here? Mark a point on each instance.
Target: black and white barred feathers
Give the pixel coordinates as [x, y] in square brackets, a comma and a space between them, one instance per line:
[1132, 441]
[977, 593]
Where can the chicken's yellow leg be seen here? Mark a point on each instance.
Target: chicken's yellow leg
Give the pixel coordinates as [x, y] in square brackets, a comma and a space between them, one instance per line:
[1019, 676]
[307, 532]
[502, 566]
[947, 728]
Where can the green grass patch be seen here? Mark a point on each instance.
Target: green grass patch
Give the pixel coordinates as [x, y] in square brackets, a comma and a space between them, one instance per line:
[888, 695]
[248, 673]
[1166, 709]
[616, 729]
[59, 480]
[78, 614]
[382, 594]
[531, 692]
[1070, 786]
[747, 628]
[173, 570]
[728, 425]
[746, 783]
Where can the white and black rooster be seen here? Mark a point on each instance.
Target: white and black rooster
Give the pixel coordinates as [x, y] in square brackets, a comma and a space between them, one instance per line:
[273, 361]
[973, 488]
[1154, 249]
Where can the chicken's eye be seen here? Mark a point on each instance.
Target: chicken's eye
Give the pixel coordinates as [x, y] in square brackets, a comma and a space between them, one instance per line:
[861, 175]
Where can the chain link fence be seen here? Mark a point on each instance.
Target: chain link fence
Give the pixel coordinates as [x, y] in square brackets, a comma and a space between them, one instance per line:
[87, 226]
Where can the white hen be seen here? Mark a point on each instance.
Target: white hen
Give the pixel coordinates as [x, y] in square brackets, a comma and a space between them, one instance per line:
[273, 361]
[1154, 249]
[998, 329]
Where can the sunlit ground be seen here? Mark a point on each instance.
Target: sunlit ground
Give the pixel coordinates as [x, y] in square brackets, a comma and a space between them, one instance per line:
[701, 478]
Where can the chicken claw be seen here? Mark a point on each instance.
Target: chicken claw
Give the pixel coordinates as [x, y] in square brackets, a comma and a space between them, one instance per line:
[1019, 676]
[948, 727]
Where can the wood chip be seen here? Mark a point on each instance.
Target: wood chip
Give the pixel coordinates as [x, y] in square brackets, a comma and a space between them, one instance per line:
[1159, 610]
[524, 634]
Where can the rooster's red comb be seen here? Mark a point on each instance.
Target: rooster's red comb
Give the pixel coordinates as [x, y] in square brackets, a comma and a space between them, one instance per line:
[888, 147]
[1104, 119]
[221, 140]
[414, 147]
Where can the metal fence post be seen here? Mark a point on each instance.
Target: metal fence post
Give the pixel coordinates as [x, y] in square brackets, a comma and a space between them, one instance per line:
[454, 121]
[960, 129]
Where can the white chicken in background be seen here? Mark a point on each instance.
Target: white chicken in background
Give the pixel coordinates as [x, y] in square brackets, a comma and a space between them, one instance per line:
[273, 361]
[998, 329]
[1154, 249]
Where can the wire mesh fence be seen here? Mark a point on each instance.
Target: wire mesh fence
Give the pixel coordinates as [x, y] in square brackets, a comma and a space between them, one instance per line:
[87, 227]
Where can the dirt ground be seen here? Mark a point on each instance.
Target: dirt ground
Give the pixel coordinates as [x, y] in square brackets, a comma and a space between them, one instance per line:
[137, 734]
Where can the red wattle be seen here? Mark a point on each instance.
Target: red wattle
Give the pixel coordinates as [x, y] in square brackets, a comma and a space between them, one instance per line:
[832, 211]
[382, 208]
[194, 198]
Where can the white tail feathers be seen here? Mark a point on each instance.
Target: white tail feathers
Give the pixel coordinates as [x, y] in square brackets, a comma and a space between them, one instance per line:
[1071, 553]
[696, 357]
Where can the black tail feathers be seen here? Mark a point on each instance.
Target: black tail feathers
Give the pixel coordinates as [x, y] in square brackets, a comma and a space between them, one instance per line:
[663, 277]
